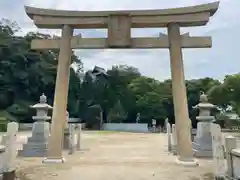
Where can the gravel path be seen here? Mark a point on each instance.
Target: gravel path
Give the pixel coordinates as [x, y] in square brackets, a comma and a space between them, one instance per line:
[116, 156]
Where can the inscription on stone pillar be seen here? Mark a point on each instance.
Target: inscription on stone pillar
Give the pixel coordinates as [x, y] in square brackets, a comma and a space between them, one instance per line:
[119, 31]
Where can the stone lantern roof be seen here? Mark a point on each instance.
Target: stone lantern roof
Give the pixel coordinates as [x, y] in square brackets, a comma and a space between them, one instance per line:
[42, 103]
[203, 98]
[204, 103]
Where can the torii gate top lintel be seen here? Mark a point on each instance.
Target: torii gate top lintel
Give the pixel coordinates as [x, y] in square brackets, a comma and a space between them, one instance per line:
[185, 16]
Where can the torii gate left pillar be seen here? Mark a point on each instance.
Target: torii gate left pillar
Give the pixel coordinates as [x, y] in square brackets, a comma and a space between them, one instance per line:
[180, 97]
[60, 97]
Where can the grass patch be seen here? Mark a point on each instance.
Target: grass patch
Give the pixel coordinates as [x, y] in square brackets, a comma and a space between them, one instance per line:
[3, 122]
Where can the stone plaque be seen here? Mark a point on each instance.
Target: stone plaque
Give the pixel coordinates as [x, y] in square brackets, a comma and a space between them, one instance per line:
[119, 31]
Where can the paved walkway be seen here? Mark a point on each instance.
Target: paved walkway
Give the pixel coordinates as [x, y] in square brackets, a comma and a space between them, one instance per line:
[117, 156]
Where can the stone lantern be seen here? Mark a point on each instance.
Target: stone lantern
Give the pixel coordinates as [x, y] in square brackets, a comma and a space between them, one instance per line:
[37, 144]
[202, 145]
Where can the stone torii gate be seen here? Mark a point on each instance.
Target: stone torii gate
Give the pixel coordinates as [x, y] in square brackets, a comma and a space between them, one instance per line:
[119, 24]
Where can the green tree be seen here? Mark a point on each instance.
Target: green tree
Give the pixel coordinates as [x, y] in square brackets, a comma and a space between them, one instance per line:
[117, 114]
[25, 74]
[149, 98]
[227, 93]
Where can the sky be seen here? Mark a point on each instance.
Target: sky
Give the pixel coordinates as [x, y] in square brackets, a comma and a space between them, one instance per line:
[215, 62]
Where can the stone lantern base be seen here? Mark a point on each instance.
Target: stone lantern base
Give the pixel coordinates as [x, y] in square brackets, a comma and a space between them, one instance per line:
[202, 145]
[37, 144]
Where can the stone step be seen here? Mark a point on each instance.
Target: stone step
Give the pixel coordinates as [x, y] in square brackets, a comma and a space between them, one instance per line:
[37, 139]
[202, 153]
[35, 145]
[202, 146]
[31, 153]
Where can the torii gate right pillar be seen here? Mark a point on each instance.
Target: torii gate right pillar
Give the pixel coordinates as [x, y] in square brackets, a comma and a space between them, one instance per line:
[180, 97]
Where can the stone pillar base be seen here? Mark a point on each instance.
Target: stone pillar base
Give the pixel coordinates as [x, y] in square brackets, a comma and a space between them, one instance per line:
[174, 150]
[189, 162]
[11, 175]
[53, 160]
[36, 145]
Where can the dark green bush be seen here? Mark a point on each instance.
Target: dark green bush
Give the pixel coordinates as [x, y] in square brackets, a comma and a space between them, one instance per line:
[3, 124]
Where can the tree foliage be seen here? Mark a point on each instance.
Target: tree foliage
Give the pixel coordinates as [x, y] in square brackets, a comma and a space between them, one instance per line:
[25, 74]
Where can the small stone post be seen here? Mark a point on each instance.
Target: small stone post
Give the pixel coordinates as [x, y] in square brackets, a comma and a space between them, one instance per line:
[72, 145]
[37, 144]
[160, 128]
[230, 144]
[10, 153]
[165, 124]
[79, 131]
[174, 140]
[169, 137]
[2, 151]
[218, 152]
[191, 129]
[66, 133]
[138, 118]
[154, 125]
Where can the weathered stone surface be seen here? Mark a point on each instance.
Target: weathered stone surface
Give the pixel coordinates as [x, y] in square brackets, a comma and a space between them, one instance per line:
[169, 137]
[72, 137]
[37, 144]
[66, 135]
[60, 95]
[2, 150]
[202, 145]
[185, 16]
[236, 163]
[10, 153]
[4, 139]
[119, 31]
[79, 131]
[230, 144]
[174, 140]
[180, 97]
[219, 163]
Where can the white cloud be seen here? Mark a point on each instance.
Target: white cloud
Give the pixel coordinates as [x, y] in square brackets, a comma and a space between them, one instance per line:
[215, 62]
